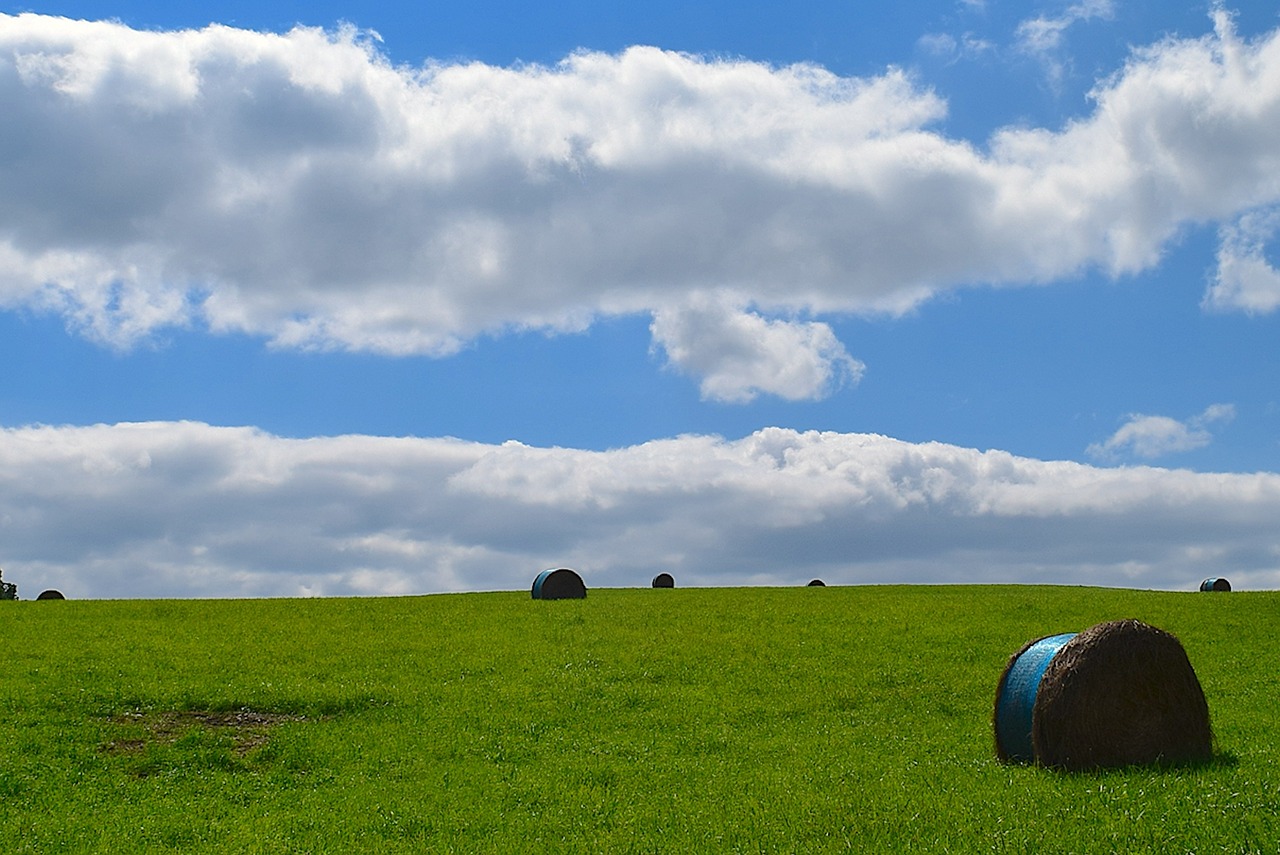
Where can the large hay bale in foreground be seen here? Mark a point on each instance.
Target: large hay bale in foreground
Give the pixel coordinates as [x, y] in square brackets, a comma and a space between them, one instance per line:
[1218, 584]
[559, 584]
[1120, 693]
[664, 580]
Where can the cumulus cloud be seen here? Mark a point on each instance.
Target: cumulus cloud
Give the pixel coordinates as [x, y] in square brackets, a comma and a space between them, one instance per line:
[1245, 278]
[187, 509]
[739, 354]
[302, 188]
[1156, 436]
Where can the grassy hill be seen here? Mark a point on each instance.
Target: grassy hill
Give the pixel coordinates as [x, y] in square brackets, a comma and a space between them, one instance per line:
[686, 720]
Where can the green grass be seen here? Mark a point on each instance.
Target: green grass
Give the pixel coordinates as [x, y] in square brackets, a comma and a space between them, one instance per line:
[688, 720]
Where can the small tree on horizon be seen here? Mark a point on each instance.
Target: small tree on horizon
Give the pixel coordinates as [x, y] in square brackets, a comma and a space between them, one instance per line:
[8, 590]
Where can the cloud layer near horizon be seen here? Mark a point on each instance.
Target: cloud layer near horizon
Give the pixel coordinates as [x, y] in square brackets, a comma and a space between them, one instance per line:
[186, 509]
[302, 188]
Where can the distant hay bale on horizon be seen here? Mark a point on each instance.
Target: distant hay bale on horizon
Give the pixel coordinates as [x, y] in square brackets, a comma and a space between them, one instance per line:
[50, 595]
[816, 583]
[664, 580]
[1121, 693]
[1217, 584]
[559, 584]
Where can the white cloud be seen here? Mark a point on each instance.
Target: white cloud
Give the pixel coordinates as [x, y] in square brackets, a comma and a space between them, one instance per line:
[1245, 278]
[1156, 436]
[302, 188]
[1042, 37]
[952, 49]
[186, 509]
[739, 354]
[1044, 34]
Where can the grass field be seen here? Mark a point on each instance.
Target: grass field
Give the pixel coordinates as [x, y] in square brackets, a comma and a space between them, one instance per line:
[687, 720]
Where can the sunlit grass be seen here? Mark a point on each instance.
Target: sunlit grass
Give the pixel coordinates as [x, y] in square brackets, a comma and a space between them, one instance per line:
[805, 719]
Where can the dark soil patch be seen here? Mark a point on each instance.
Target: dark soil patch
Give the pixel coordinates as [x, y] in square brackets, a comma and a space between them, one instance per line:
[247, 729]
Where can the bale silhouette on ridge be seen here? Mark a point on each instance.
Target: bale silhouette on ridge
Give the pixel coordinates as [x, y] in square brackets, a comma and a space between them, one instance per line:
[1117, 694]
[559, 584]
[1218, 584]
[51, 594]
[664, 580]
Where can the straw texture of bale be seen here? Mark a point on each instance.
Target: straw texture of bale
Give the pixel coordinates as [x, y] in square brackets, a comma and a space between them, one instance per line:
[1119, 694]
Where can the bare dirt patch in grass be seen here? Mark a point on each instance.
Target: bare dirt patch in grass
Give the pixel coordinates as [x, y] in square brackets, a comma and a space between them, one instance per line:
[247, 729]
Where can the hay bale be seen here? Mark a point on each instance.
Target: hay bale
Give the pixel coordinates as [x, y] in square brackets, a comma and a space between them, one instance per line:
[559, 584]
[1121, 693]
[1218, 584]
[50, 595]
[664, 580]
[816, 583]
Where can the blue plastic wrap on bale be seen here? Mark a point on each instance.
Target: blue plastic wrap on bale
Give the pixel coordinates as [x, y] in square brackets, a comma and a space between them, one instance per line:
[1017, 700]
[1217, 584]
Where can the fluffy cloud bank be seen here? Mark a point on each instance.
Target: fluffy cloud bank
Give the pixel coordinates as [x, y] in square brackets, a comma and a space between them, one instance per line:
[186, 509]
[302, 188]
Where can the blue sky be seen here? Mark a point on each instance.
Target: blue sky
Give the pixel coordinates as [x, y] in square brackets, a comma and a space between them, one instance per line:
[981, 230]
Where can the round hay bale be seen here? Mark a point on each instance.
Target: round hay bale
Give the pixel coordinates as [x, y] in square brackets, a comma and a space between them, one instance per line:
[1218, 584]
[1121, 693]
[559, 584]
[816, 583]
[50, 595]
[664, 580]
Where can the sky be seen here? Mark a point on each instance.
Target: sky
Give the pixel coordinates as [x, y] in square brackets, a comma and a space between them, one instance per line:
[341, 298]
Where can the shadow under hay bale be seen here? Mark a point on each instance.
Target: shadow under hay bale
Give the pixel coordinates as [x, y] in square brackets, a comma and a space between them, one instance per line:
[1218, 584]
[559, 584]
[1121, 693]
[816, 583]
[50, 595]
[664, 580]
